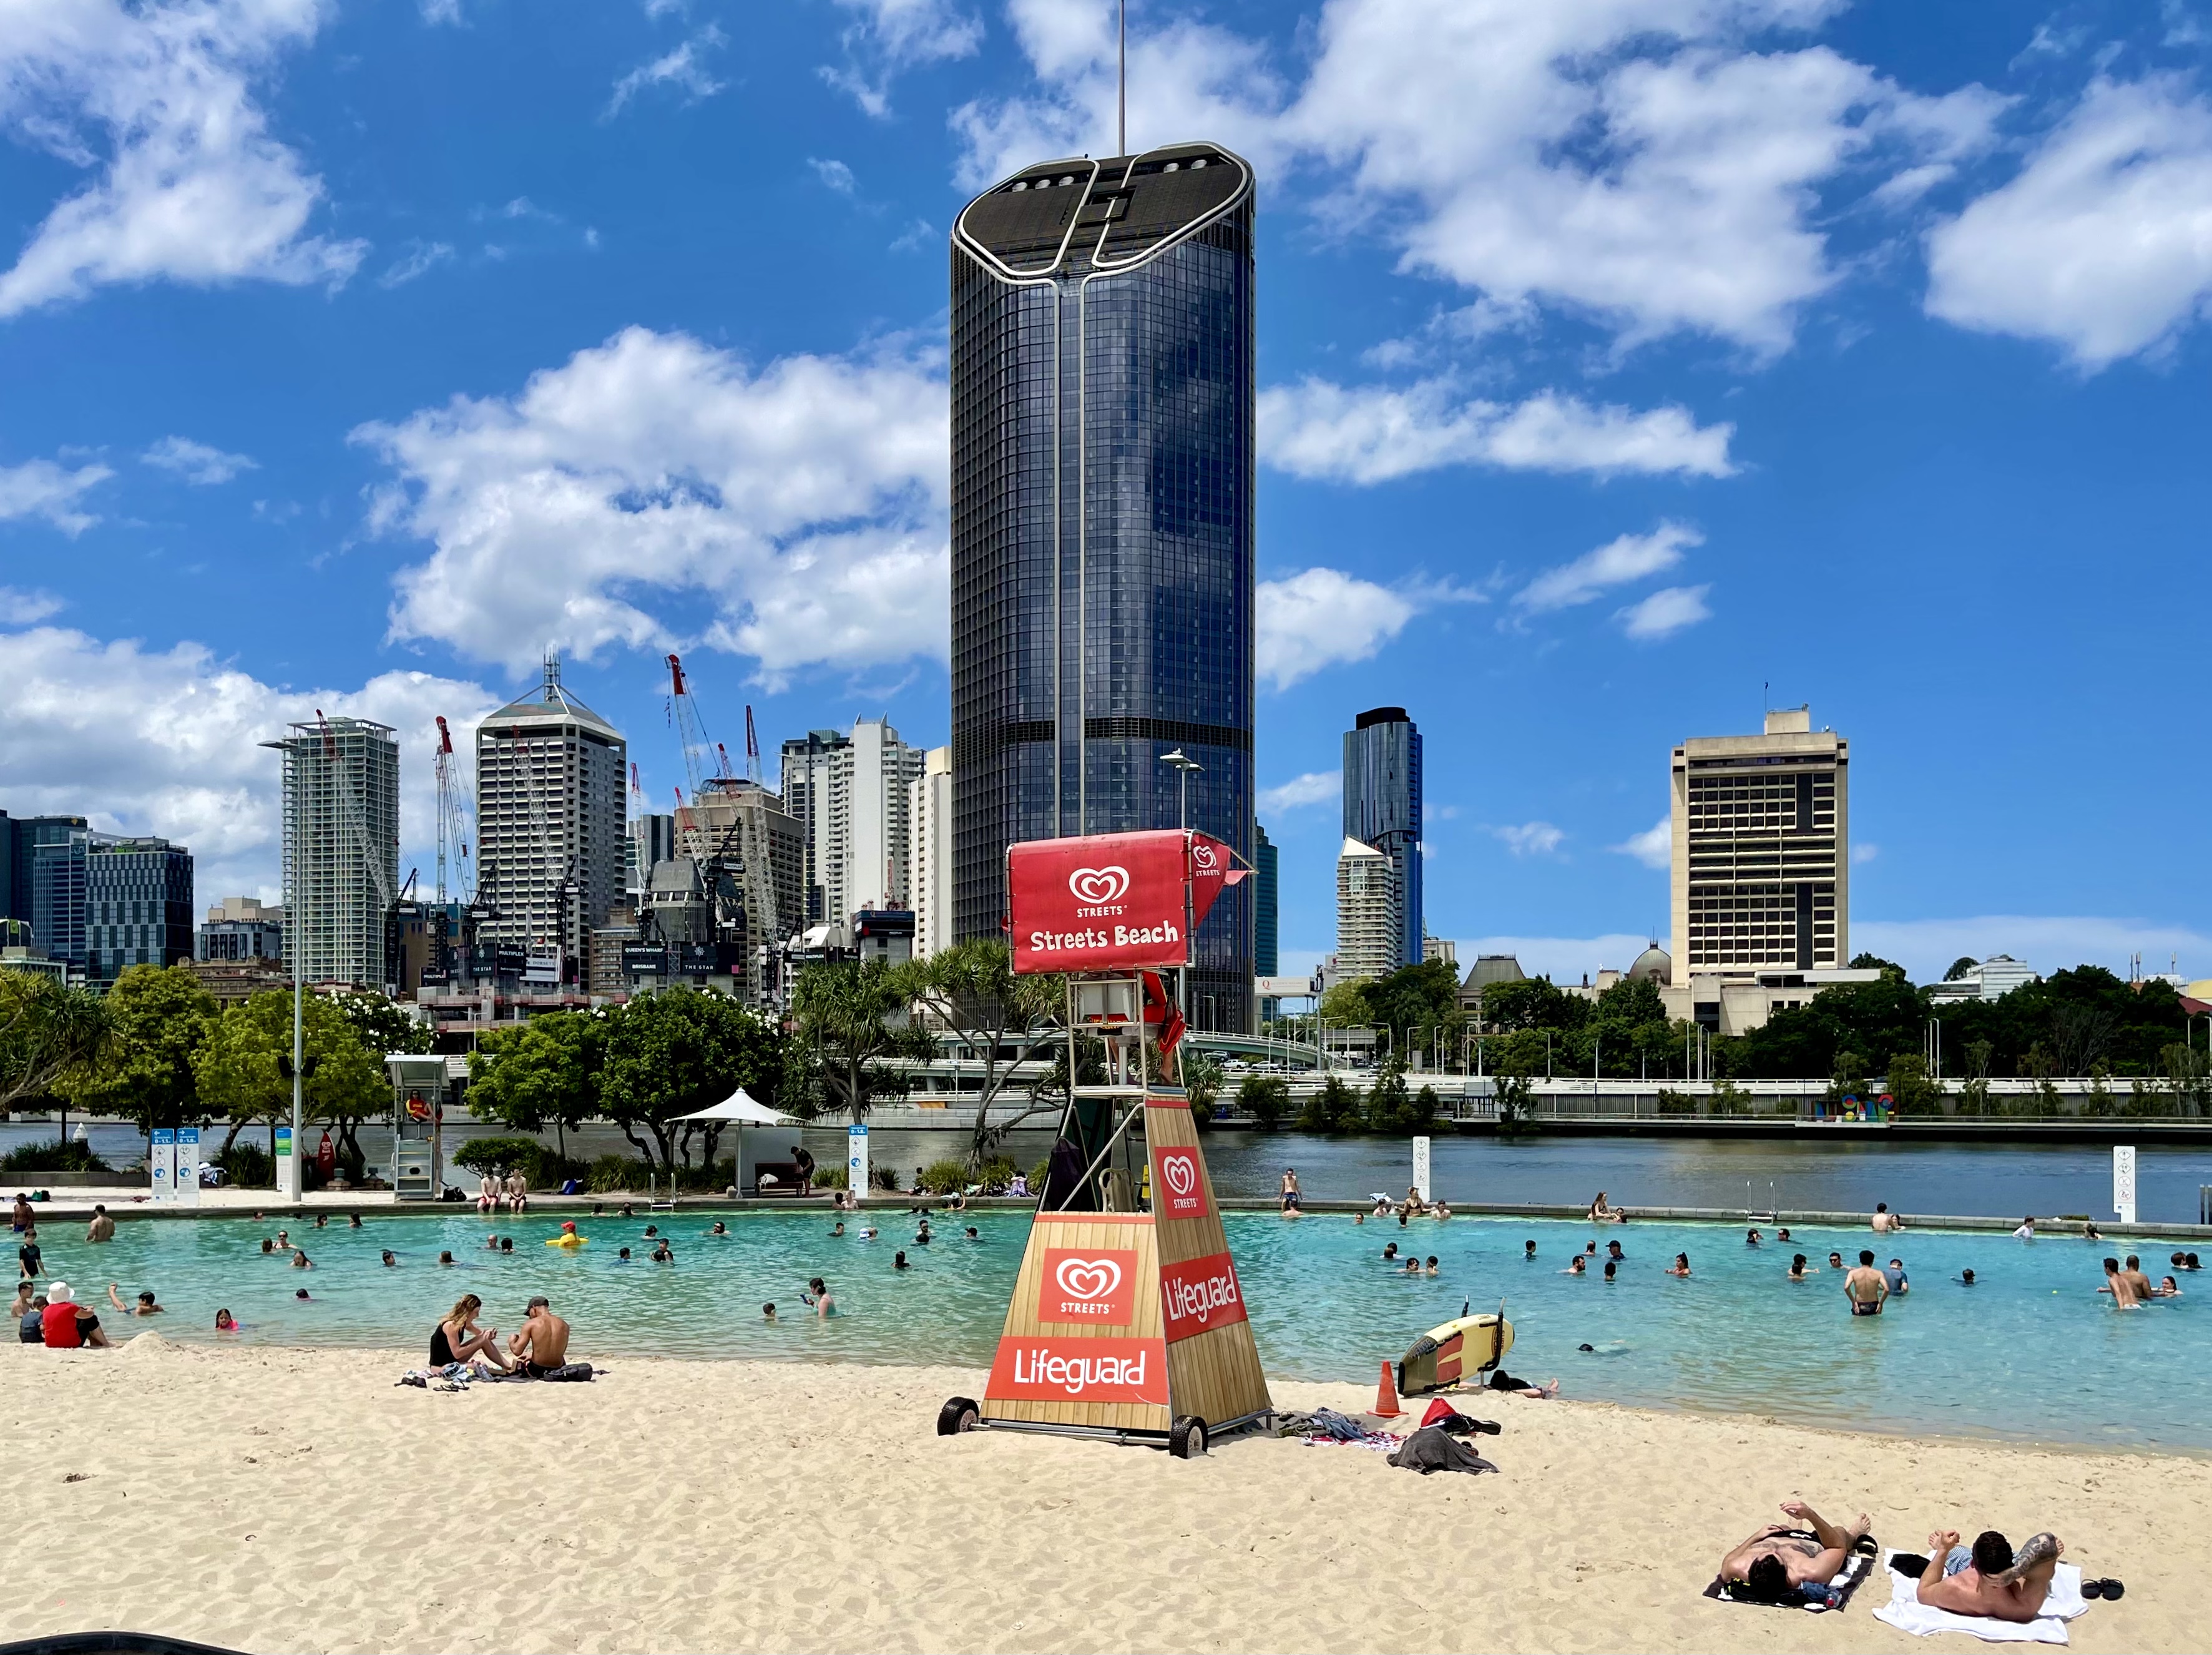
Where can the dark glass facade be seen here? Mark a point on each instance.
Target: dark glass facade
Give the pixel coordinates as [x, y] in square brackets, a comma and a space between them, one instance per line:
[1102, 553]
[1382, 806]
[1265, 953]
[137, 906]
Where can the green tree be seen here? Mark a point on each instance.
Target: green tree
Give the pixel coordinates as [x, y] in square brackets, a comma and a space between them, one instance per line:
[1516, 1102]
[238, 1074]
[1345, 1006]
[380, 1026]
[1333, 1107]
[50, 1034]
[1960, 967]
[678, 1051]
[161, 1016]
[852, 1017]
[1909, 1089]
[1202, 1081]
[546, 1072]
[2186, 1076]
[971, 990]
[1264, 1098]
[1388, 1099]
[1532, 1003]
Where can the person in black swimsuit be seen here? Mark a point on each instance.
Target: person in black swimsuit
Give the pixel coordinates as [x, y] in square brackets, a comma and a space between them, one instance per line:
[458, 1338]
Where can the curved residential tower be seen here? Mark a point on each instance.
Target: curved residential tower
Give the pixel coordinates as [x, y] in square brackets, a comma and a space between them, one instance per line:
[1102, 523]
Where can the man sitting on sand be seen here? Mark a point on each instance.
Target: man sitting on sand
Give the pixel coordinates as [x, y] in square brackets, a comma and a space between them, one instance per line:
[541, 1344]
[1989, 1578]
[1774, 1562]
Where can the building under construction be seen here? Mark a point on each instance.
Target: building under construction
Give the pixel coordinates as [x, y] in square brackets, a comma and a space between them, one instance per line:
[550, 844]
[341, 847]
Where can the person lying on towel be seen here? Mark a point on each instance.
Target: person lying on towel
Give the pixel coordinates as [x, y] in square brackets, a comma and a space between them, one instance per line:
[1774, 1563]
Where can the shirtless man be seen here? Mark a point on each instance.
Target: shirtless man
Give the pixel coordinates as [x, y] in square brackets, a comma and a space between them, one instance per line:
[518, 1192]
[1989, 1578]
[2118, 1285]
[102, 1227]
[541, 1343]
[1886, 1222]
[1865, 1287]
[487, 1194]
[2137, 1280]
[1775, 1562]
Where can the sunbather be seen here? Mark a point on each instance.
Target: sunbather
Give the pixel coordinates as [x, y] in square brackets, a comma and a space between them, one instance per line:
[1774, 1563]
[1989, 1578]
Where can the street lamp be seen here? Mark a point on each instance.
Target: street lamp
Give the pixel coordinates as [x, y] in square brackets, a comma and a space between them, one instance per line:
[1184, 764]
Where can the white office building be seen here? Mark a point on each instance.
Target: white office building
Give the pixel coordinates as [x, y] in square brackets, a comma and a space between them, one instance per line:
[341, 848]
[852, 796]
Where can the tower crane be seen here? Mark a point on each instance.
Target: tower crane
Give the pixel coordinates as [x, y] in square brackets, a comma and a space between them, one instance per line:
[752, 750]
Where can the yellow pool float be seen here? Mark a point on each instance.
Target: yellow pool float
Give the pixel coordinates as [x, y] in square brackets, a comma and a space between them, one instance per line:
[569, 1237]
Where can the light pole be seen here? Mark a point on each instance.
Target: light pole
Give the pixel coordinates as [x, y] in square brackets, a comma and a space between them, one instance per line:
[294, 1184]
[1184, 764]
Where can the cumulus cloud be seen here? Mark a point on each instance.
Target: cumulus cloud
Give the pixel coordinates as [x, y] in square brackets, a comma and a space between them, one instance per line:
[834, 175]
[887, 36]
[1629, 557]
[2049, 943]
[1666, 611]
[1653, 847]
[20, 608]
[159, 99]
[2103, 242]
[683, 68]
[1530, 839]
[1323, 618]
[198, 463]
[164, 741]
[40, 488]
[1658, 166]
[1372, 433]
[1314, 787]
[654, 490]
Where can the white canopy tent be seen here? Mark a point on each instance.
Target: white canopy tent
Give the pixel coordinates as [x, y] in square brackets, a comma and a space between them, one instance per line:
[740, 1111]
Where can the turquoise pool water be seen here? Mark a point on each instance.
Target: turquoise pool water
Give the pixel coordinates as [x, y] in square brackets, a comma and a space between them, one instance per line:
[2031, 1352]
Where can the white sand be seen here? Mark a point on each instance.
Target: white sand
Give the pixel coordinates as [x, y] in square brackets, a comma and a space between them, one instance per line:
[277, 1501]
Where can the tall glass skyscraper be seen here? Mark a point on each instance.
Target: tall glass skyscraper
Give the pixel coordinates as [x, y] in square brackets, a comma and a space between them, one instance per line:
[1103, 488]
[1382, 807]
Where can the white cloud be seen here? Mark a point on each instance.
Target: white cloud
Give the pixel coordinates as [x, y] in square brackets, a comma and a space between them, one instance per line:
[1371, 434]
[20, 608]
[40, 488]
[886, 36]
[1530, 839]
[1666, 611]
[835, 174]
[684, 69]
[2103, 243]
[193, 189]
[1653, 847]
[1865, 851]
[2049, 943]
[1660, 166]
[1617, 562]
[1320, 617]
[164, 741]
[654, 489]
[196, 462]
[1314, 787]
[418, 261]
[440, 11]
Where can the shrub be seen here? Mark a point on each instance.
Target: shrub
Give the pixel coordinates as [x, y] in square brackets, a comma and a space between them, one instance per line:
[1676, 1102]
[481, 1155]
[1265, 1098]
[882, 1177]
[53, 1155]
[611, 1173]
[832, 1178]
[1335, 1108]
[1037, 1175]
[247, 1166]
[997, 1174]
[945, 1177]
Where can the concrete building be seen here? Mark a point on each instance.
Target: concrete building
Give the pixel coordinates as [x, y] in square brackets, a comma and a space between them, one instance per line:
[1487, 969]
[20, 839]
[341, 848]
[929, 809]
[240, 928]
[1382, 808]
[647, 840]
[551, 856]
[138, 905]
[1994, 978]
[760, 889]
[1369, 919]
[1439, 950]
[1762, 863]
[850, 794]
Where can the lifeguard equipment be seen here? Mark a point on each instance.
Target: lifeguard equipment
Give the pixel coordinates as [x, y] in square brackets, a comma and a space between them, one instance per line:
[1386, 1398]
[1454, 1352]
[569, 1237]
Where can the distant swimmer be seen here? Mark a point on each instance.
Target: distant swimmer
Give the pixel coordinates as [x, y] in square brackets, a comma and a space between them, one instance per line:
[1894, 1275]
[2168, 1288]
[225, 1322]
[1528, 1251]
[1389, 1251]
[389, 1262]
[2026, 1230]
[569, 1237]
[661, 1254]
[720, 1229]
[1680, 1266]
[2134, 1271]
[1432, 1265]
[838, 1228]
[972, 1235]
[1610, 1266]
[2091, 1232]
[1752, 1237]
[1835, 1260]
[1575, 1265]
[1865, 1286]
[1613, 1251]
[102, 1227]
[445, 1258]
[622, 1256]
[353, 1221]
[1798, 1267]
[2118, 1285]
[301, 1261]
[898, 1262]
[1783, 1235]
[145, 1306]
[1885, 1221]
[767, 1312]
[1965, 1278]
[1599, 1211]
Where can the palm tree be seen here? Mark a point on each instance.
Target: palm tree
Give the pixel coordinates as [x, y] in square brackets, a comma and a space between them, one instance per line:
[49, 1032]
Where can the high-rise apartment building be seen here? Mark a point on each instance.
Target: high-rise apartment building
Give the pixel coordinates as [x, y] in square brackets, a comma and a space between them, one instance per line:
[552, 855]
[849, 795]
[1382, 808]
[929, 809]
[341, 848]
[1761, 866]
[57, 890]
[648, 839]
[137, 905]
[1369, 918]
[1103, 573]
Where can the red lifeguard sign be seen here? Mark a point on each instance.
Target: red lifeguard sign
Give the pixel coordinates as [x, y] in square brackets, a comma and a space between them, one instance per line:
[1112, 902]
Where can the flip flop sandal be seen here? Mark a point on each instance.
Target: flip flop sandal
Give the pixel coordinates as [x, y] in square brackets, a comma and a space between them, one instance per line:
[2110, 1590]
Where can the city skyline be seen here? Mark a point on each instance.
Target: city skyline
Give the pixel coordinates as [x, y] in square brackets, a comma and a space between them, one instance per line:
[415, 423]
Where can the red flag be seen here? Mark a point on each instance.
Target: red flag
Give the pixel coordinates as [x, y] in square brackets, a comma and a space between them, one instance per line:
[1160, 1010]
[1212, 870]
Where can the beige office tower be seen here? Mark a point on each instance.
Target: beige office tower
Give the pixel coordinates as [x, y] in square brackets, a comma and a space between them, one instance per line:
[929, 882]
[738, 821]
[341, 848]
[849, 794]
[1369, 915]
[1762, 851]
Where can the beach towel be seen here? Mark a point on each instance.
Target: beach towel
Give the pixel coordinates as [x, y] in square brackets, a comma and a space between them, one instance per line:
[1857, 1567]
[1907, 1613]
[1430, 1449]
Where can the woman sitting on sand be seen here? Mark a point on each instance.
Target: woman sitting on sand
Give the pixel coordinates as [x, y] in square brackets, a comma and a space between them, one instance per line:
[458, 1338]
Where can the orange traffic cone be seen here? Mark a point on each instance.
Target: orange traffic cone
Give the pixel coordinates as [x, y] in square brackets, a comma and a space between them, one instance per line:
[1385, 1397]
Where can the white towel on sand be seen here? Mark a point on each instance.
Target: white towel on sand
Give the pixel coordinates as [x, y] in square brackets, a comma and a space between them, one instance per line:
[2062, 1604]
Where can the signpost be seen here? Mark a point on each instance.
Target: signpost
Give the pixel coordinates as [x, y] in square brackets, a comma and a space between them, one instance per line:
[1421, 1167]
[184, 1188]
[856, 1161]
[162, 1164]
[2123, 1182]
[287, 1166]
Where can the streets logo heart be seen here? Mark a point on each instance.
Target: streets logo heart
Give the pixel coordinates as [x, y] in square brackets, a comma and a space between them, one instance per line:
[1098, 886]
[1087, 1279]
[1178, 1171]
[1181, 1194]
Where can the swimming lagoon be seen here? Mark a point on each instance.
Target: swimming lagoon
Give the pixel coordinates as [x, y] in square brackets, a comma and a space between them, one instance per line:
[2031, 1352]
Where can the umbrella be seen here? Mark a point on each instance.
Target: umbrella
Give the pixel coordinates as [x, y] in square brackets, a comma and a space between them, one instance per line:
[741, 1112]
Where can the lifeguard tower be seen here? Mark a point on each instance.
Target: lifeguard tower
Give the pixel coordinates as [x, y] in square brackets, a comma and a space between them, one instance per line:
[1127, 1320]
[420, 1087]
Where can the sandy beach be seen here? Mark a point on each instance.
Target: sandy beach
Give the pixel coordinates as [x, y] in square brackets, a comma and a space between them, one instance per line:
[271, 1500]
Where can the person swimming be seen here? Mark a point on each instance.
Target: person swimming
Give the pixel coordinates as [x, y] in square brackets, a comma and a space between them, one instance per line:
[1796, 1266]
[225, 1322]
[1610, 1266]
[1783, 1234]
[1680, 1266]
[301, 1261]
[767, 1312]
[1575, 1265]
[1613, 1250]
[1835, 1260]
[661, 1254]
[1529, 1251]
[818, 1297]
[1390, 1252]
[622, 1256]
[389, 1262]
[898, 1262]
[720, 1229]
[1965, 1278]
[1412, 1265]
[1431, 1266]
[1752, 1237]
[445, 1258]
[267, 1246]
[972, 1235]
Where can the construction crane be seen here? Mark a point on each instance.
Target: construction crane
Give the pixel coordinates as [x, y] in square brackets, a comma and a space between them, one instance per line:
[691, 733]
[752, 750]
[452, 827]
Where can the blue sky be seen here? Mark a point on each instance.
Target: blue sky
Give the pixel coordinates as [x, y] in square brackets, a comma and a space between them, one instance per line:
[1622, 363]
